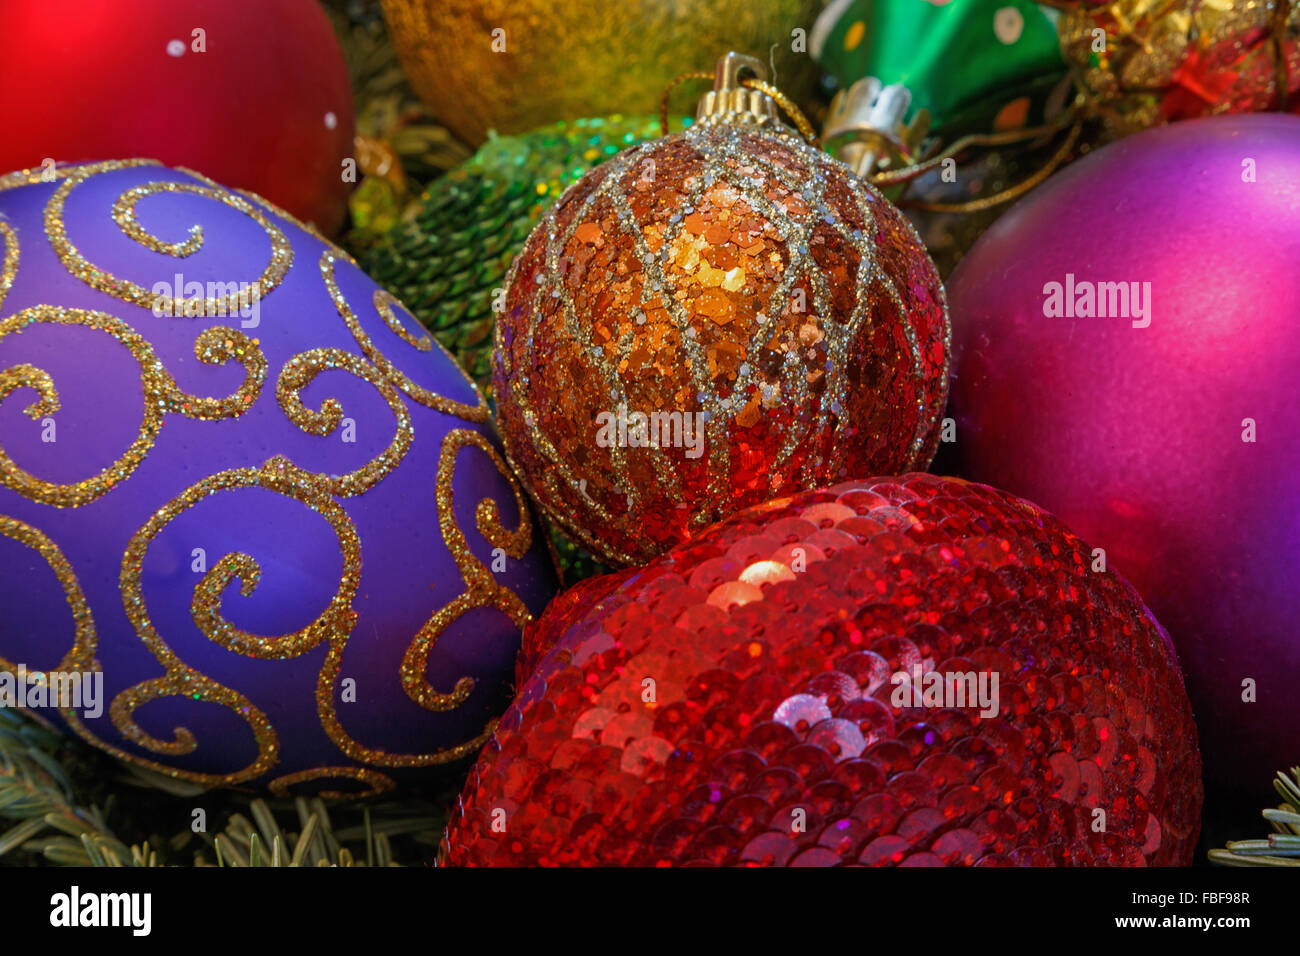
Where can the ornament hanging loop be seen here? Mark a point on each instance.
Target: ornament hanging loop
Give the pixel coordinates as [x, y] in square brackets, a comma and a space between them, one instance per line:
[750, 101]
[731, 102]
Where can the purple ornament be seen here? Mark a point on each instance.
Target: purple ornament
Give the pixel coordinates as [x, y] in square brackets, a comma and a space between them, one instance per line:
[241, 483]
[1159, 420]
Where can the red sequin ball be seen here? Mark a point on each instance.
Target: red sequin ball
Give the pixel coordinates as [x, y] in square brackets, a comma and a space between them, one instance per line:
[740, 700]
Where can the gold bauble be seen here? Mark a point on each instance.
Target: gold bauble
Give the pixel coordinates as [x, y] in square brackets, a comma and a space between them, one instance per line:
[514, 65]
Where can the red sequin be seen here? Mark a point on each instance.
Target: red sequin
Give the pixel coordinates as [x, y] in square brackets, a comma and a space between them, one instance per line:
[664, 727]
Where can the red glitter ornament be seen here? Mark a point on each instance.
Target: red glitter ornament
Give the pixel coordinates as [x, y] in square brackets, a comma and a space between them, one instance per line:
[252, 93]
[739, 700]
[710, 320]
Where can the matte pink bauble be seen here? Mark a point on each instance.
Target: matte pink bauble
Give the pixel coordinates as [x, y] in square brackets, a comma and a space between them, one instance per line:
[1165, 430]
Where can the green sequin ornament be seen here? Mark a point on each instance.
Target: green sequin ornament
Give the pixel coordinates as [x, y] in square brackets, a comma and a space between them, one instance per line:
[448, 262]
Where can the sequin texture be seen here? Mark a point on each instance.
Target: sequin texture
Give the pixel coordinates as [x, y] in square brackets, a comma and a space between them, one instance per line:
[664, 726]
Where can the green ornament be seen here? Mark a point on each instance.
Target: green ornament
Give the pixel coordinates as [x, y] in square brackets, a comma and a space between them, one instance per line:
[448, 262]
[975, 66]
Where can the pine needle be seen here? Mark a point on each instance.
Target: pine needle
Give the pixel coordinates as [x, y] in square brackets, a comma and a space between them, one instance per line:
[45, 819]
[1282, 846]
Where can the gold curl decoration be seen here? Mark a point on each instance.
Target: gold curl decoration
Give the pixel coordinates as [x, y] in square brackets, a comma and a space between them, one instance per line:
[124, 215]
[180, 680]
[81, 656]
[218, 345]
[384, 302]
[378, 783]
[161, 395]
[9, 264]
[481, 590]
[299, 371]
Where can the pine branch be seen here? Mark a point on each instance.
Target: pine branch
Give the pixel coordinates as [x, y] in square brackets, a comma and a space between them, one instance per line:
[36, 794]
[52, 822]
[1282, 846]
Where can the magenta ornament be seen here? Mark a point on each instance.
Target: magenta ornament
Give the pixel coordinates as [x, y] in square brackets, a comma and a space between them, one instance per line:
[1126, 342]
[241, 487]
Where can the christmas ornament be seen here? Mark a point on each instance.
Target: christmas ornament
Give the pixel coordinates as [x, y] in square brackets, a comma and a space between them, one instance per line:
[1142, 63]
[517, 64]
[1132, 374]
[985, 78]
[242, 490]
[252, 92]
[913, 671]
[865, 129]
[968, 64]
[572, 603]
[449, 262]
[709, 320]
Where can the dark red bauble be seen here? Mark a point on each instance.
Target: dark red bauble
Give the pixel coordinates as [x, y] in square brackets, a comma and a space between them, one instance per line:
[253, 93]
[721, 706]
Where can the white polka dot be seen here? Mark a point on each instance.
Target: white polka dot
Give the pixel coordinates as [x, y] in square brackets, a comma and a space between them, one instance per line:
[1008, 24]
[331, 121]
[176, 48]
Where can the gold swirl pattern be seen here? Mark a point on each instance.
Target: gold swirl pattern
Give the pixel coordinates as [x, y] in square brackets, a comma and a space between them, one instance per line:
[278, 475]
[219, 345]
[81, 656]
[481, 590]
[9, 265]
[378, 782]
[124, 216]
[299, 371]
[384, 303]
[161, 395]
[181, 680]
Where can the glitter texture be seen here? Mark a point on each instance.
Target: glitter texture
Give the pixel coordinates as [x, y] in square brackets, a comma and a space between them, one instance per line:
[681, 714]
[741, 279]
[124, 216]
[9, 264]
[161, 394]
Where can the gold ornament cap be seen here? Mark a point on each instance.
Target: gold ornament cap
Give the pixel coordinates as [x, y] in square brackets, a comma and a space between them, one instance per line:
[731, 102]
